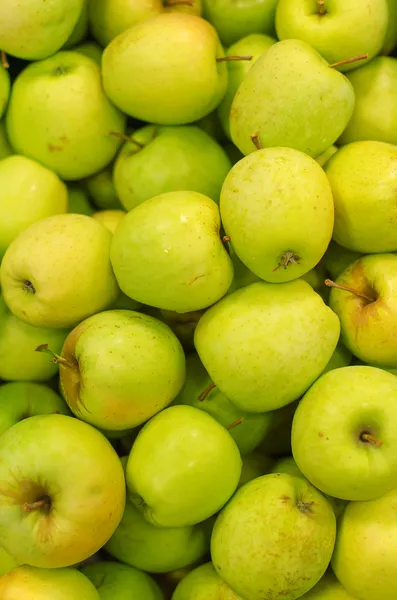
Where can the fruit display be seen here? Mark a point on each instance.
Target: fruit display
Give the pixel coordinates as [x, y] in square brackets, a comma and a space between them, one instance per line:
[198, 299]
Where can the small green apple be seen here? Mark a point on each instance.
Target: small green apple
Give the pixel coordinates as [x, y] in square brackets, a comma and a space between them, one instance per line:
[255, 465]
[277, 208]
[62, 493]
[109, 218]
[28, 192]
[59, 115]
[101, 189]
[7, 562]
[329, 588]
[183, 467]
[78, 201]
[5, 85]
[58, 272]
[204, 583]
[5, 148]
[114, 581]
[165, 70]
[326, 427]
[282, 513]
[337, 259]
[172, 237]
[166, 159]
[342, 357]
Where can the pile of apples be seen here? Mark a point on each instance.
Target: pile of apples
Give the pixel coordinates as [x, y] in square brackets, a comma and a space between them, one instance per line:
[198, 310]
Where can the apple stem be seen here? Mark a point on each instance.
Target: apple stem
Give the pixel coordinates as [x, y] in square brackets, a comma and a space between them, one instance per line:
[233, 58]
[205, 393]
[55, 357]
[348, 61]
[320, 7]
[180, 3]
[331, 283]
[29, 506]
[256, 141]
[125, 138]
[370, 439]
[4, 60]
[238, 422]
[226, 239]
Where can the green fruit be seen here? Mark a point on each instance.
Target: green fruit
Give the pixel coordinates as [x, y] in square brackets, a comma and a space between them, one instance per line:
[121, 582]
[337, 259]
[79, 202]
[326, 155]
[204, 583]
[328, 588]
[101, 189]
[80, 30]
[5, 148]
[91, 50]
[390, 40]
[5, 85]
[342, 357]
[7, 562]
[254, 465]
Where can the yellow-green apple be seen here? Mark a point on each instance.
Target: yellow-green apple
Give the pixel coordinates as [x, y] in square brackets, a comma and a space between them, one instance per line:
[292, 98]
[33, 31]
[80, 30]
[370, 526]
[363, 180]
[107, 365]
[198, 391]
[342, 357]
[327, 25]
[182, 324]
[18, 342]
[326, 155]
[204, 583]
[58, 272]
[109, 218]
[247, 329]
[20, 400]
[255, 465]
[183, 467]
[5, 85]
[5, 148]
[28, 192]
[337, 259]
[172, 237]
[157, 160]
[341, 439]
[277, 208]
[364, 298]
[91, 50]
[282, 513]
[101, 189]
[58, 114]
[328, 588]
[390, 41]
[7, 562]
[62, 491]
[212, 125]
[114, 581]
[78, 201]
[165, 70]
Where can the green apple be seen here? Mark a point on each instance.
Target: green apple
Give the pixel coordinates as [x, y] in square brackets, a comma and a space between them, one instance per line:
[5, 148]
[183, 467]
[193, 7]
[31, 583]
[107, 365]
[198, 392]
[172, 237]
[282, 513]
[364, 300]
[80, 30]
[142, 545]
[370, 526]
[59, 115]
[58, 272]
[101, 189]
[277, 208]
[277, 441]
[254, 465]
[233, 153]
[329, 588]
[291, 97]
[183, 325]
[5, 85]
[204, 583]
[337, 259]
[326, 427]
[79, 202]
[20, 400]
[252, 46]
[165, 70]
[91, 50]
[7, 562]
[62, 493]
[18, 342]
[242, 275]
[390, 41]
[326, 155]
[166, 159]
[114, 581]
[33, 31]
[327, 25]
[28, 192]
[234, 20]
[212, 125]
[375, 112]
[109, 218]
[342, 357]
[281, 336]
[363, 179]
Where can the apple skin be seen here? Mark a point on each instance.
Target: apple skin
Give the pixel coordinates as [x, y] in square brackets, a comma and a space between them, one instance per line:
[375, 113]
[204, 583]
[268, 105]
[172, 237]
[80, 30]
[5, 85]
[113, 356]
[342, 357]
[331, 34]
[59, 115]
[101, 189]
[369, 329]
[164, 70]
[182, 448]
[390, 40]
[18, 342]
[326, 155]
[109, 218]
[65, 259]
[255, 465]
[372, 525]
[337, 259]
[20, 400]
[78, 201]
[86, 491]
[121, 582]
[28, 192]
[274, 202]
[172, 159]
[285, 514]
[91, 50]
[34, 31]
[328, 588]
[7, 562]
[326, 427]
[5, 147]
[247, 328]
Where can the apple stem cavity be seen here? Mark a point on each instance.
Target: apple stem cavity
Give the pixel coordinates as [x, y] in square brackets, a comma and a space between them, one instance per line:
[368, 438]
[3, 58]
[238, 422]
[55, 357]
[44, 502]
[348, 61]
[205, 393]
[288, 258]
[125, 138]
[304, 507]
[321, 7]
[180, 3]
[330, 283]
[256, 141]
[233, 58]
[29, 287]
